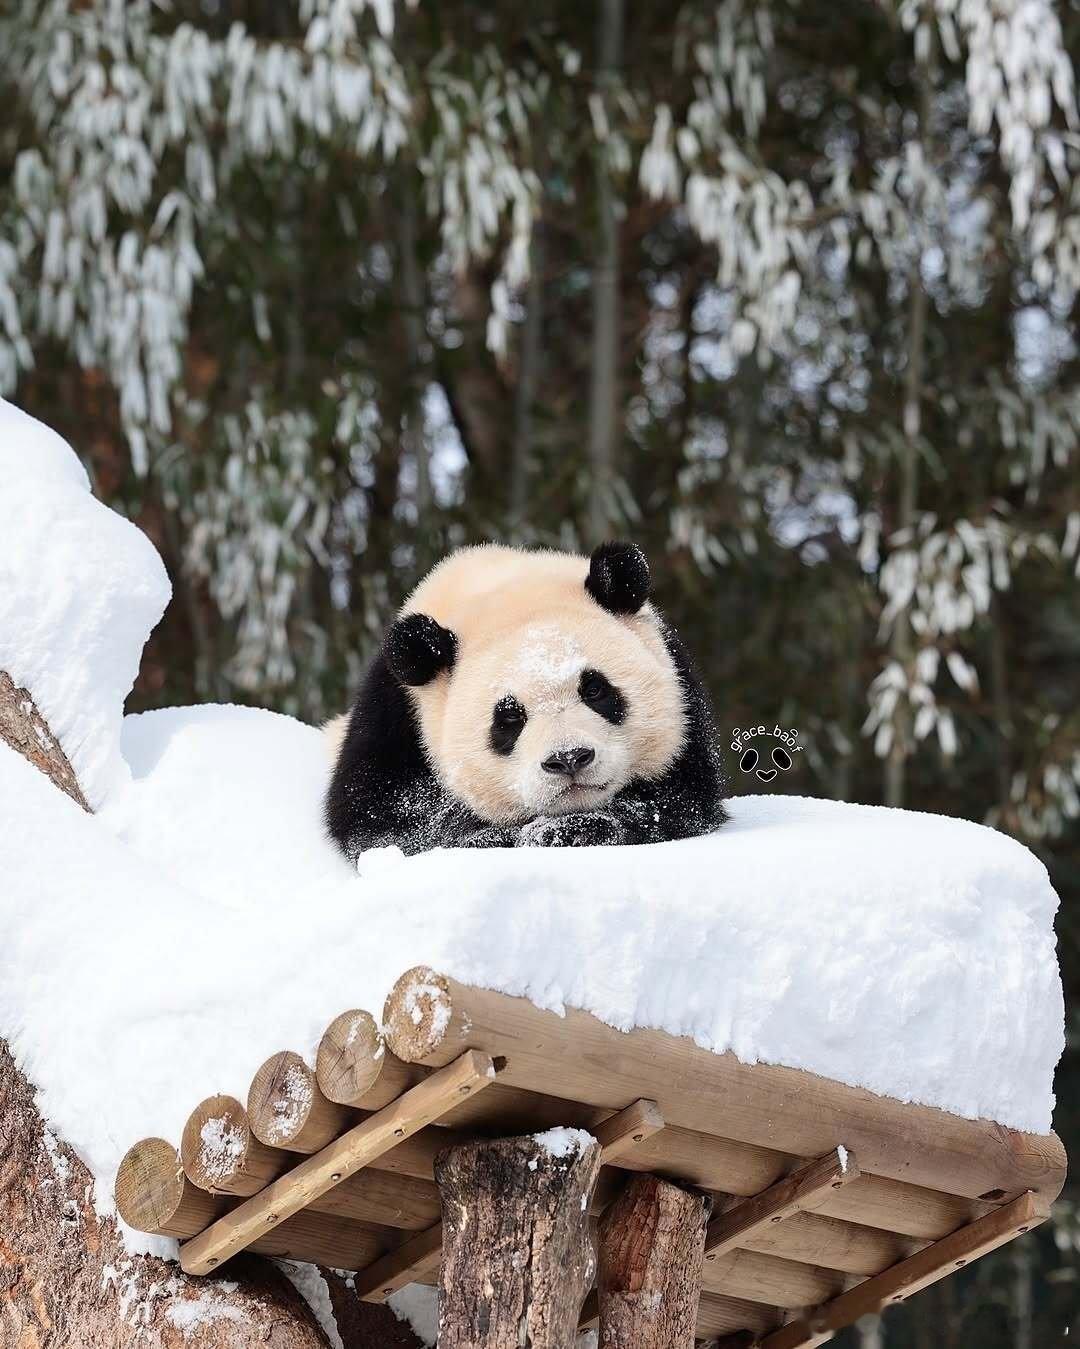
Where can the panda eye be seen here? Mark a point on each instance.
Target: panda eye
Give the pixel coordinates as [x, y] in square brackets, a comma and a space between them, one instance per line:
[599, 694]
[507, 720]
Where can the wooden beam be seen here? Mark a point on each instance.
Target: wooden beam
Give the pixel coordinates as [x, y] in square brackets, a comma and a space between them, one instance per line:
[909, 1276]
[803, 1189]
[429, 1018]
[365, 1142]
[286, 1109]
[624, 1132]
[406, 1264]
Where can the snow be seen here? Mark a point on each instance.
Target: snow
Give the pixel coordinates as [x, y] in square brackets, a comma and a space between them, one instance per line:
[562, 1142]
[80, 590]
[160, 950]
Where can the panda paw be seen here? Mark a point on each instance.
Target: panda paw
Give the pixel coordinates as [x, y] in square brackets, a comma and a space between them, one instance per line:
[589, 830]
[493, 837]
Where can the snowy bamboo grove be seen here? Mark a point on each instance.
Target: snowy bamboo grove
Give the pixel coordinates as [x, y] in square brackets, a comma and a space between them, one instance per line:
[785, 291]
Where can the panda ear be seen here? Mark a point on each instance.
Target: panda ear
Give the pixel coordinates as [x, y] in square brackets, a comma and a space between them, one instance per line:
[618, 577]
[417, 649]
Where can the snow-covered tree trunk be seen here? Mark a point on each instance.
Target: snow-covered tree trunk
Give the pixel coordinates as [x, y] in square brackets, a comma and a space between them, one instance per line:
[65, 1277]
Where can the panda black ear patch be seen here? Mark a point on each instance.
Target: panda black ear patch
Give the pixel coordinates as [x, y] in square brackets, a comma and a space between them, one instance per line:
[417, 649]
[618, 577]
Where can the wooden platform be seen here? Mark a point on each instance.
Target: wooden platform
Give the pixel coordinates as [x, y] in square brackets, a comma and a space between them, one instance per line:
[830, 1202]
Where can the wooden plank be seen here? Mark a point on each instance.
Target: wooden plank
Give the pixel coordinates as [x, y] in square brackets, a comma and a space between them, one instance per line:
[408, 1263]
[430, 1018]
[365, 1142]
[909, 1276]
[803, 1189]
[623, 1132]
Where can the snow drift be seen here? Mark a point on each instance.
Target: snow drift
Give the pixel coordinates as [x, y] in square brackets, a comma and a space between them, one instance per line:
[161, 950]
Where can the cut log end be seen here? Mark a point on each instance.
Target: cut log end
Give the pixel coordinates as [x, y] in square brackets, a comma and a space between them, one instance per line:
[221, 1154]
[153, 1194]
[419, 1014]
[286, 1108]
[355, 1068]
[350, 1057]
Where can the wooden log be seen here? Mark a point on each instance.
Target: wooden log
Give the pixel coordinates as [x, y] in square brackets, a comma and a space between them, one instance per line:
[222, 1155]
[320, 1239]
[723, 1315]
[286, 1109]
[381, 1197]
[154, 1195]
[919, 1271]
[770, 1280]
[803, 1189]
[429, 1018]
[517, 1255]
[649, 1246]
[742, 1169]
[354, 1068]
[344, 1156]
[846, 1247]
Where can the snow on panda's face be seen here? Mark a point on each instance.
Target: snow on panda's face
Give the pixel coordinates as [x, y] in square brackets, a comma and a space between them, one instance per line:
[558, 717]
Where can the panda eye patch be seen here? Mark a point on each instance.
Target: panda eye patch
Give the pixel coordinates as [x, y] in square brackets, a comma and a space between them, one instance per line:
[597, 692]
[507, 721]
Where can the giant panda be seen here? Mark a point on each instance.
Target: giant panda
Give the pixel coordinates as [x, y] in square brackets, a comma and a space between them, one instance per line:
[527, 698]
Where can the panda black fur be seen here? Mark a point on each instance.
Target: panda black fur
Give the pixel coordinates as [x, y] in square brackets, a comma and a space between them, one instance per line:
[488, 719]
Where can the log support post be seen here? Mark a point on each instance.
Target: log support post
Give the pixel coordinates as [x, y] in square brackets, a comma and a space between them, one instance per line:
[650, 1245]
[517, 1252]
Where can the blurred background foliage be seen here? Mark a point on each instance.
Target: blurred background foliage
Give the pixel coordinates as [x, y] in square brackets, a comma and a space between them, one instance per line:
[786, 291]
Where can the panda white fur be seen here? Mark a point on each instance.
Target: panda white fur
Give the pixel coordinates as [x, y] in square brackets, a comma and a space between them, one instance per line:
[528, 697]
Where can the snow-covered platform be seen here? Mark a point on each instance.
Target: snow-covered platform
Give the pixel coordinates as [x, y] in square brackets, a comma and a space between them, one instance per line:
[813, 978]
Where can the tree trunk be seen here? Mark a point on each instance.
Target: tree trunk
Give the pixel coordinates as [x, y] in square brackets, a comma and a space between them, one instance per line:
[517, 1255]
[651, 1244]
[65, 1278]
[603, 390]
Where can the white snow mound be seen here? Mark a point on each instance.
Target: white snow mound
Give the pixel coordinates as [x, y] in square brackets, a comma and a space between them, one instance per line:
[80, 590]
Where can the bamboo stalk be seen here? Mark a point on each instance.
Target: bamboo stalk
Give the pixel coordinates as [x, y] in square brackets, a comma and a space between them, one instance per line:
[344, 1156]
[429, 1018]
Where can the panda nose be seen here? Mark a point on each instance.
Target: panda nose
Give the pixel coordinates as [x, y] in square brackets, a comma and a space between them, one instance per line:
[568, 761]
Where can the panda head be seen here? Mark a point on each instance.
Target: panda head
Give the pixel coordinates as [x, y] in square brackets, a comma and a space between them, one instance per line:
[541, 681]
